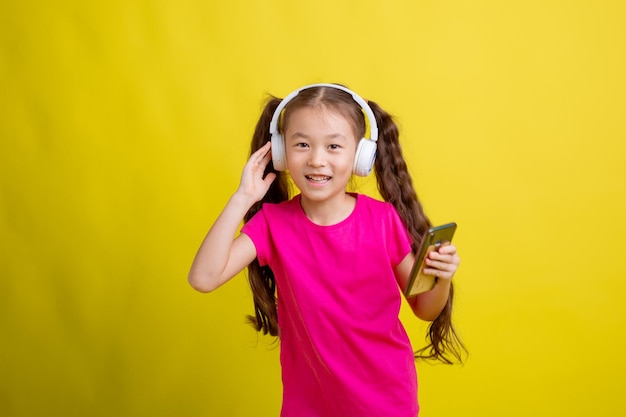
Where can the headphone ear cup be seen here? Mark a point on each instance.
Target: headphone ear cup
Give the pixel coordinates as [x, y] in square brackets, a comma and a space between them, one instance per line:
[364, 158]
[279, 157]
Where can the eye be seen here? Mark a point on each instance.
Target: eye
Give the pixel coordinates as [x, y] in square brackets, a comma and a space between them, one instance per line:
[334, 146]
[301, 145]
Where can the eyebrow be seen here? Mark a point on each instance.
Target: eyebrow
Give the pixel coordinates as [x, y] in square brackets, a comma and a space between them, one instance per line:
[299, 135]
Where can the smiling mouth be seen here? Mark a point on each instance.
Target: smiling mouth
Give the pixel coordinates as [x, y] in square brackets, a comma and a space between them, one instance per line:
[317, 178]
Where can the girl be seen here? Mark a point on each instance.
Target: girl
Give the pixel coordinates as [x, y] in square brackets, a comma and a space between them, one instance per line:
[325, 265]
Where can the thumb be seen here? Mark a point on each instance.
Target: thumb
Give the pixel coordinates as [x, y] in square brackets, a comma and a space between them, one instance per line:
[269, 178]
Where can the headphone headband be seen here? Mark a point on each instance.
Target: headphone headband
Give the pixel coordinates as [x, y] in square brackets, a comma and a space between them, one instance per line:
[366, 108]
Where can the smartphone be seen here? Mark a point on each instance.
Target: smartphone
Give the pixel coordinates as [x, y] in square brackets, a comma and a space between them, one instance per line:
[436, 236]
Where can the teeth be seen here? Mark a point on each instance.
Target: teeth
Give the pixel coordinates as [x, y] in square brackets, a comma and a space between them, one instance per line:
[317, 179]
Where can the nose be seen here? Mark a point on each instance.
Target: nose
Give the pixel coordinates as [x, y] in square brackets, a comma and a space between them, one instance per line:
[317, 157]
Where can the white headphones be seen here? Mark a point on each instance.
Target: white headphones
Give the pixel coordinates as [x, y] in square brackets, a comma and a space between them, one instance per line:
[365, 152]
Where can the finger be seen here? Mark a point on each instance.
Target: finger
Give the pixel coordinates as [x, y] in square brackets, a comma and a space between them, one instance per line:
[447, 248]
[439, 255]
[261, 157]
[441, 265]
[261, 152]
[440, 268]
[439, 259]
[439, 273]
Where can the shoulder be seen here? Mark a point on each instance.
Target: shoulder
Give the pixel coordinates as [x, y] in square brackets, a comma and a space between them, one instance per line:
[386, 225]
[271, 219]
[375, 206]
[283, 208]
[271, 212]
[379, 212]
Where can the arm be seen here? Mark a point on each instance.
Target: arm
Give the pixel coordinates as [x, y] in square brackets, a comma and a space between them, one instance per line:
[220, 257]
[442, 263]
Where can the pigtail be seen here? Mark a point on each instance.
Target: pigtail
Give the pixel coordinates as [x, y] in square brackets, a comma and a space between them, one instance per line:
[396, 186]
[262, 282]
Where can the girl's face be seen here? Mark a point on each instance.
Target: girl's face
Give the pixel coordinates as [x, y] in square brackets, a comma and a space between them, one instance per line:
[320, 145]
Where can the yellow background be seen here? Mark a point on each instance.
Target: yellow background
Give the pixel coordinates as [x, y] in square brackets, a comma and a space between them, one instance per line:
[124, 126]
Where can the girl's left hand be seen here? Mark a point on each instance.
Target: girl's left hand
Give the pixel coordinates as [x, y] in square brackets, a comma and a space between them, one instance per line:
[443, 262]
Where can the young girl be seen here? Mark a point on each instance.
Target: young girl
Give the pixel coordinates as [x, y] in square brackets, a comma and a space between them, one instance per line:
[325, 265]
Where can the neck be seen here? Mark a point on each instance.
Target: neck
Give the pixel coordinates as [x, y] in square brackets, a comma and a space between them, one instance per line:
[327, 213]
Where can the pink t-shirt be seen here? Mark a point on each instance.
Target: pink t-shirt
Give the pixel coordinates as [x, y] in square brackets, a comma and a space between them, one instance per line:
[344, 351]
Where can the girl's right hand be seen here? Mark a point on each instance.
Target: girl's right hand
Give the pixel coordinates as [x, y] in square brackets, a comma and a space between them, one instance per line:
[253, 186]
[221, 257]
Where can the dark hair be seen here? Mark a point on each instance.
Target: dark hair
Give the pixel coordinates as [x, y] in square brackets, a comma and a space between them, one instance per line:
[395, 186]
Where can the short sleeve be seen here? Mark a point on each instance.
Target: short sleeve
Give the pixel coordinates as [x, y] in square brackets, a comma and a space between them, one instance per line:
[398, 238]
[257, 230]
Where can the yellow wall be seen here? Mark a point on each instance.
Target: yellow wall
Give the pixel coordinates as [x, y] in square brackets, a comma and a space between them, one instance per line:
[124, 126]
